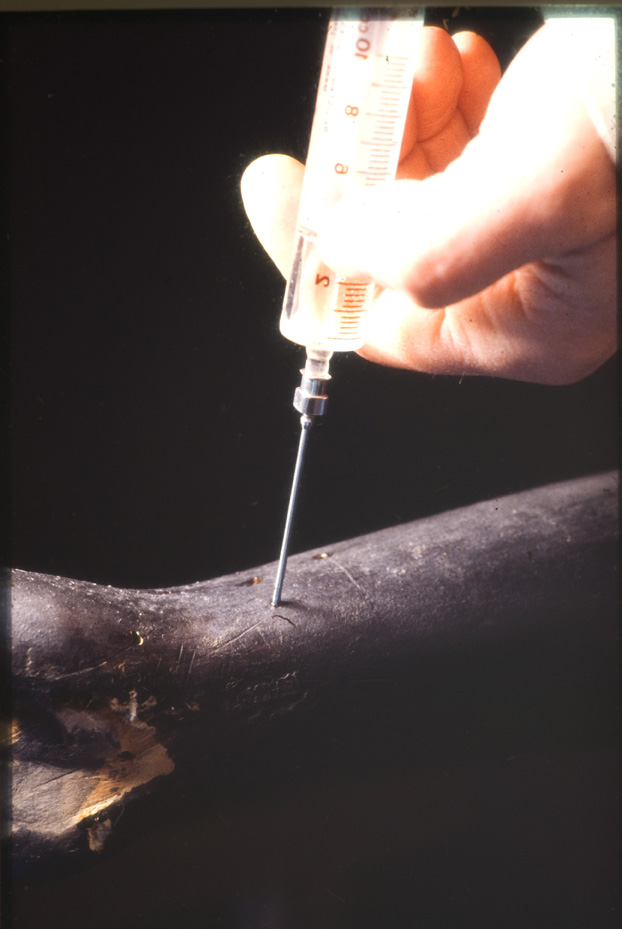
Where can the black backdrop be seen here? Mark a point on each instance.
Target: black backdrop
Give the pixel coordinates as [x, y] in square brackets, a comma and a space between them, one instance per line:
[153, 435]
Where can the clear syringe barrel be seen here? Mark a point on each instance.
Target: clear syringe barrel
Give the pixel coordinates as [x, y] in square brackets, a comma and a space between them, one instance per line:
[362, 102]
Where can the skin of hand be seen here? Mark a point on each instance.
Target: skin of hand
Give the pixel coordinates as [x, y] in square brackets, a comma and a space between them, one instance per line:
[494, 251]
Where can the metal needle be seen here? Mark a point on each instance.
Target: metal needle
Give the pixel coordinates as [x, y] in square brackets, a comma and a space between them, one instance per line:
[305, 422]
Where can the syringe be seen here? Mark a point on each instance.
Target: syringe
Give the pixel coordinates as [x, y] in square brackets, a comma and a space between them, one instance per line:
[360, 112]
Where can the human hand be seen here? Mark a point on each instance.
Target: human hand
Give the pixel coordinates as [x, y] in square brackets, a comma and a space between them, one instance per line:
[496, 252]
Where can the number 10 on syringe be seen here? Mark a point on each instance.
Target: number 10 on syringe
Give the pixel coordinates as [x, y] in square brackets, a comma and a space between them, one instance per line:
[362, 102]
[360, 112]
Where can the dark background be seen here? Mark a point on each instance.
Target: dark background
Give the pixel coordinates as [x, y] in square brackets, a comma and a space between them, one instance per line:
[153, 434]
[153, 440]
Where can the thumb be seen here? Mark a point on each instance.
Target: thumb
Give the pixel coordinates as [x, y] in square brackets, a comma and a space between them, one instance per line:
[270, 189]
[535, 183]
